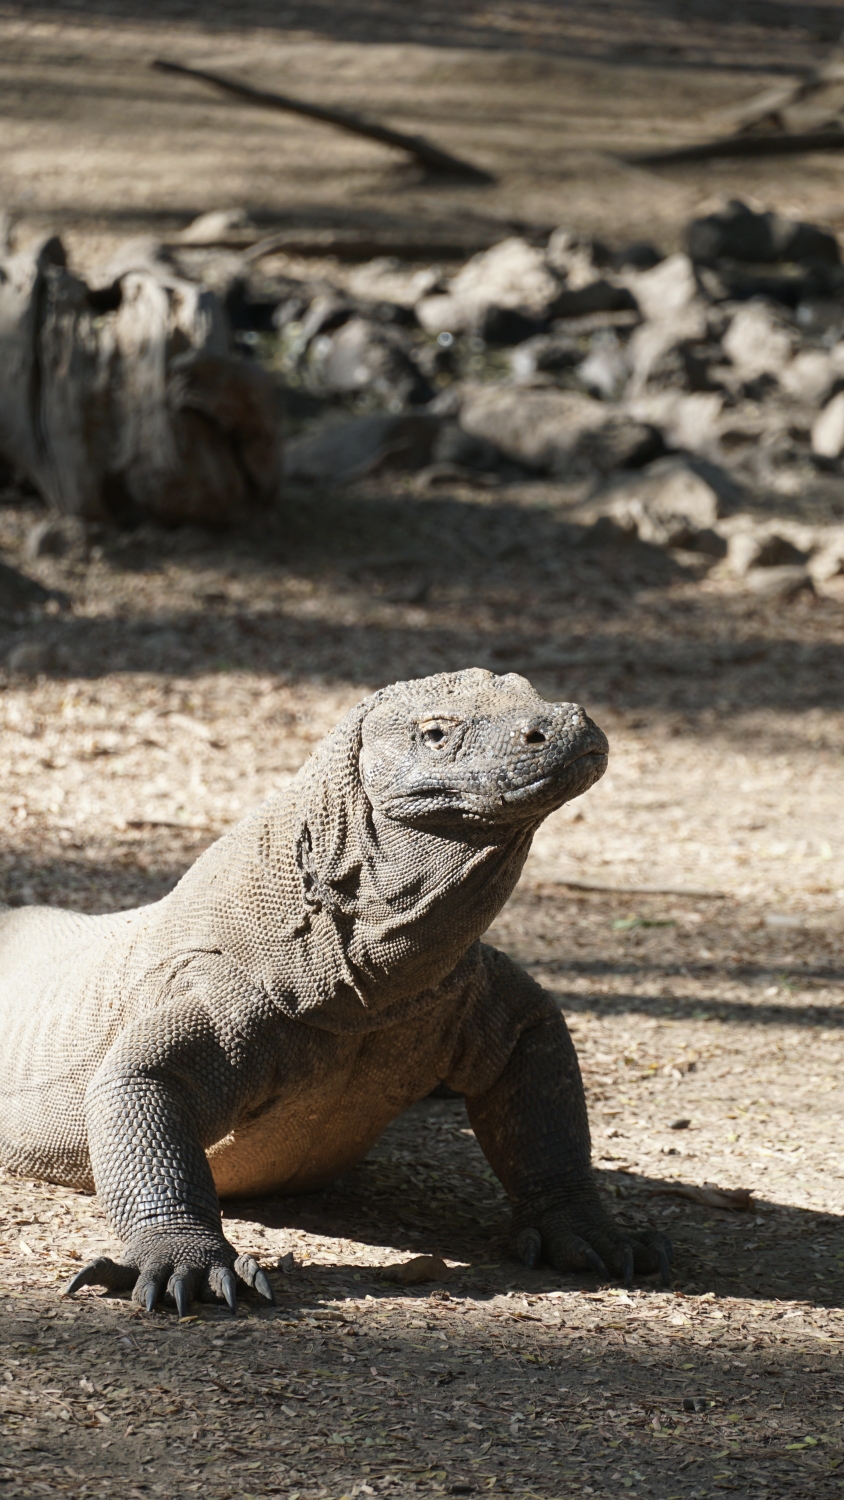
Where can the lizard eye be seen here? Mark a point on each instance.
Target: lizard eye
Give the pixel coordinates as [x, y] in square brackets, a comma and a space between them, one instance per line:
[433, 734]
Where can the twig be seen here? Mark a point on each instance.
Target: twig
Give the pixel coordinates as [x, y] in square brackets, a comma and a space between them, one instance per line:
[642, 890]
[415, 145]
[743, 145]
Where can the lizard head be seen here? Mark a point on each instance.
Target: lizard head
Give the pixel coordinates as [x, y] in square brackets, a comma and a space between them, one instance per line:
[472, 747]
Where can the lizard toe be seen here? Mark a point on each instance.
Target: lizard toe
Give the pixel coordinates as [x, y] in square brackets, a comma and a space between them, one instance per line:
[222, 1284]
[182, 1288]
[528, 1247]
[149, 1289]
[103, 1272]
[250, 1272]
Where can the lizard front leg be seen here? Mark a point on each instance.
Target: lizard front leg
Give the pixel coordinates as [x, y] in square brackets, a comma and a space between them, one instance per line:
[174, 1083]
[532, 1125]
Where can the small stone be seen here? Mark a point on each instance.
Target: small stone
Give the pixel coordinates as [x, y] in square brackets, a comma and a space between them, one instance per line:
[779, 583]
[513, 274]
[420, 1268]
[218, 225]
[339, 451]
[605, 371]
[758, 341]
[680, 1124]
[810, 377]
[754, 549]
[828, 429]
[362, 355]
[670, 503]
[560, 432]
[827, 563]
[667, 291]
[546, 354]
[737, 233]
[387, 280]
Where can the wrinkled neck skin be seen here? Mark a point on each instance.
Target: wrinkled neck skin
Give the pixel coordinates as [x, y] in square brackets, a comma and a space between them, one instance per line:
[340, 912]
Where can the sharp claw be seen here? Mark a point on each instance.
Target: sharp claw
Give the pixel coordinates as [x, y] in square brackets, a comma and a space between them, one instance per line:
[594, 1262]
[262, 1285]
[180, 1296]
[664, 1265]
[627, 1266]
[82, 1278]
[150, 1297]
[228, 1286]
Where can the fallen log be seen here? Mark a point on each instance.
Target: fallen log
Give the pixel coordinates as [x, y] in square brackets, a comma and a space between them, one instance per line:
[124, 400]
[415, 145]
[784, 144]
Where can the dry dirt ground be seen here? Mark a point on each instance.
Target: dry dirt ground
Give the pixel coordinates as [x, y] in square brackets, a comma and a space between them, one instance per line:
[546, 94]
[192, 674]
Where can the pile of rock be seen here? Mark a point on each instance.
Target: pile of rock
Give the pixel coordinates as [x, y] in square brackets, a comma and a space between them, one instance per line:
[676, 391]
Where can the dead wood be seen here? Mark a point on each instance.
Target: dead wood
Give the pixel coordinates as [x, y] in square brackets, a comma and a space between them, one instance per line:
[768, 108]
[125, 399]
[415, 145]
[785, 144]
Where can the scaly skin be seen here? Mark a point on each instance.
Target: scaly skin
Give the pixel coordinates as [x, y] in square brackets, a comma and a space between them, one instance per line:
[314, 973]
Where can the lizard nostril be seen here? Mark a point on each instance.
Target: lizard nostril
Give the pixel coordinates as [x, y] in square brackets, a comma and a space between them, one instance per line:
[533, 737]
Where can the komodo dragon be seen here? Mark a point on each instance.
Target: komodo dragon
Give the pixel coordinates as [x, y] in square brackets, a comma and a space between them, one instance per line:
[316, 971]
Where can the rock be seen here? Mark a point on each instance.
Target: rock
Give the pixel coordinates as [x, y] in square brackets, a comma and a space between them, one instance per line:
[809, 377]
[261, 309]
[671, 503]
[339, 451]
[502, 327]
[779, 583]
[667, 292]
[828, 429]
[387, 280]
[546, 354]
[327, 311]
[663, 356]
[557, 431]
[460, 450]
[758, 341]
[19, 593]
[513, 274]
[57, 536]
[608, 531]
[595, 297]
[828, 562]
[215, 227]
[30, 658]
[689, 422]
[420, 1268]
[737, 233]
[747, 550]
[605, 370]
[366, 356]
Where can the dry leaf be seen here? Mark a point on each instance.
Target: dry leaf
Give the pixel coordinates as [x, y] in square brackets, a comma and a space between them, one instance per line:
[738, 1199]
[420, 1268]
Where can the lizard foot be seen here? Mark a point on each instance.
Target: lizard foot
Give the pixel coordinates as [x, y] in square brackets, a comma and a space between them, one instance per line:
[179, 1267]
[575, 1234]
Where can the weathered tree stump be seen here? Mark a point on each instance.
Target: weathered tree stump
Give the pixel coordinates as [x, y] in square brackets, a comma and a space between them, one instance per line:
[126, 400]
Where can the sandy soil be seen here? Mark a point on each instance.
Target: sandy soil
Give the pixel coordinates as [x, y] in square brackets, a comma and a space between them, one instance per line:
[689, 913]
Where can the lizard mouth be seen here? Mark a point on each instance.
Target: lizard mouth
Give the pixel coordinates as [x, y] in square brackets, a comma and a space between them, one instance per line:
[592, 762]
